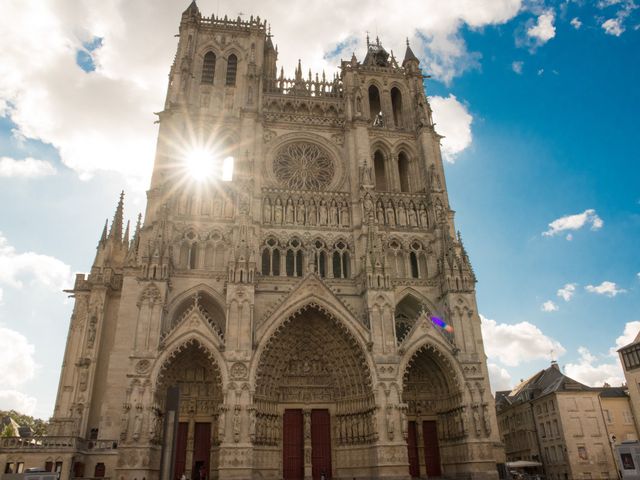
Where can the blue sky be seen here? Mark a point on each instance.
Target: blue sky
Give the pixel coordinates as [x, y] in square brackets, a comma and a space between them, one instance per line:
[537, 100]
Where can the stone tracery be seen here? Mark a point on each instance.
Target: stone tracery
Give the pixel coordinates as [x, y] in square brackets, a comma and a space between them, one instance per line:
[303, 166]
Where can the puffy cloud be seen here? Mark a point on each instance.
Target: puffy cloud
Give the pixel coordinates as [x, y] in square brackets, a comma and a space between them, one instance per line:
[516, 66]
[567, 291]
[631, 330]
[513, 344]
[613, 26]
[500, 379]
[18, 401]
[16, 358]
[610, 289]
[43, 269]
[101, 119]
[549, 306]
[574, 222]
[453, 121]
[590, 371]
[543, 30]
[29, 167]
[576, 23]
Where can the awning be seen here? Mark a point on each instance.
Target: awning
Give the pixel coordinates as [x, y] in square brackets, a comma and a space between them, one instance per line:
[523, 464]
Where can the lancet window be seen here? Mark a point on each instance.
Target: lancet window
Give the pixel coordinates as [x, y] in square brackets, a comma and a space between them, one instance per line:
[375, 109]
[379, 171]
[208, 68]
[320, 258]
[271, 258]
[396, 259]
[294, 258]
[403, 171]
[232, 70]
[340, 265]
[418, 261]
[396, 105]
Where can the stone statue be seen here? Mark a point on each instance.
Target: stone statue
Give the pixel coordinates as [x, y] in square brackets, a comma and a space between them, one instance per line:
[365, 175]
[391, 427]
[300, 211]
[333, 214]
[91, 336]
[222, 424]
[344, 214]
[476, 421]
[402, 215]
[124, 424]
[323, 213]
[266, 211]
[277, 212]
[380, 212]
[391, 214]
[424, 220]
[487, 421]
[312, 217]
[413, 218]
[137, 426]
[289, 212]
[252, 424]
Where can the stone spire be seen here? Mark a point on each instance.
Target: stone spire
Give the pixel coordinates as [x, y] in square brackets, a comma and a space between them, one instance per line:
[116, 225]
[409, 56]
[192, 10]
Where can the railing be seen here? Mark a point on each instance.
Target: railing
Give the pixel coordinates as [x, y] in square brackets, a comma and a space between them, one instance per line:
[70, 443]
[309, 88]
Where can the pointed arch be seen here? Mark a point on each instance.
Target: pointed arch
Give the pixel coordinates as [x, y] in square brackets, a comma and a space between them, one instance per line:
[232, 70]
[208, 67]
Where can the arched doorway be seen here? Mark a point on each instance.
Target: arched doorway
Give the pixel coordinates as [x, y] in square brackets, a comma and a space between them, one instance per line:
[435, 415]
[314, 403]
[196, 374]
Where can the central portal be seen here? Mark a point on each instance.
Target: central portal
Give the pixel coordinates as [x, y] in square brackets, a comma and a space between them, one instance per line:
[314, 403]
[293, 444]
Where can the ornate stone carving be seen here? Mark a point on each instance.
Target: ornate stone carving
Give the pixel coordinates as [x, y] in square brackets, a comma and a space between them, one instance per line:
[238, 371]
[304, 166]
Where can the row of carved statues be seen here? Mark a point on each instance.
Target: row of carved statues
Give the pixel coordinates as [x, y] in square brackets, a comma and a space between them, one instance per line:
[332, 212]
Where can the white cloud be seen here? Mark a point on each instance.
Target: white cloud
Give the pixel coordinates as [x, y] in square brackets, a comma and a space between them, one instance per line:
[37, 268]
[18, 401]
[103, 120]
[549, 306]
[543, 30]
[567, 291]
[574, 222]
[499, 378]
[576, 23]
[589, 371]
[516, 66]
[16, 358]
[453, 121]
[610, 289]
[613, 26]
[631, 330]
[517, 343]
[29, 167]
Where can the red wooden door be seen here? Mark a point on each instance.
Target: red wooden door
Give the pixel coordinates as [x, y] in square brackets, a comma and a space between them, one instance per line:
[320, 444]
[431, 448]
[292, 445]
[181, 450]
[201, 451]
[412, 447]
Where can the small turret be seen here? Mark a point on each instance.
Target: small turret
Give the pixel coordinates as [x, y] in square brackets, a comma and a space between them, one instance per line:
[116, 225]
[410, 61]
[192, 11]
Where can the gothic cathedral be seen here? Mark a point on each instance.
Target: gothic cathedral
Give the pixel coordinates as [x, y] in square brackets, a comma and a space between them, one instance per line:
[315, 308]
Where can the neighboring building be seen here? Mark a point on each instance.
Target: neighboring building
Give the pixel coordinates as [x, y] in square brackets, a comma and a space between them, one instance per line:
[616, 411]
[292, 305]
[559, 421]
[630, 359]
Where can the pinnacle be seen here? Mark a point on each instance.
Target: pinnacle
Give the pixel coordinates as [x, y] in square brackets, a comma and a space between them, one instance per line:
[116, 225]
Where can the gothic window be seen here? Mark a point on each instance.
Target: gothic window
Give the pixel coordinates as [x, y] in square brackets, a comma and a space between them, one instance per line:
[396, 104]
[208, 68]
[193, 256]
[418, 261]
[396, 259]
[99, 470]
[294, 258]
[403, 171]
[271, 258]
[340, 260]
[406, 314]
[304, 166]
[413, 258]
[379, 171]
[232, 69]
[320, 258]
[374, 102]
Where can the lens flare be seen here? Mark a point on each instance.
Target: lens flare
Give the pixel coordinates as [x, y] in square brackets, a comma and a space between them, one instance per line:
[200, 164]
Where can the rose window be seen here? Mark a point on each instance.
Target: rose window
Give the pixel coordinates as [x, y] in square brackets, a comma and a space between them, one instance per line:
[303, 166]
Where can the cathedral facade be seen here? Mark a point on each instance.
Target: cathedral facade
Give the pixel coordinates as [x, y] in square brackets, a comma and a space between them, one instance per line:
[316, 310]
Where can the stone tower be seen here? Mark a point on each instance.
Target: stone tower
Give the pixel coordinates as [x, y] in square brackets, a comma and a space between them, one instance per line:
[296, 305]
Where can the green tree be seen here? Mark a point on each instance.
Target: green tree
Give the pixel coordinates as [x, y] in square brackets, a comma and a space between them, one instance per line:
[37, 425]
